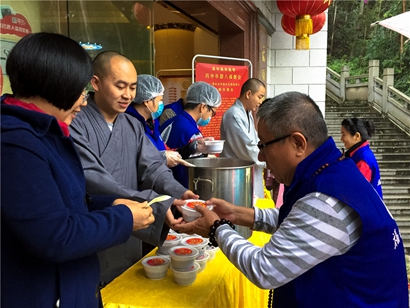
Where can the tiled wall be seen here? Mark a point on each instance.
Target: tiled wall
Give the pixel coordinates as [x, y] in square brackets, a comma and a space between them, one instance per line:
[290, 69]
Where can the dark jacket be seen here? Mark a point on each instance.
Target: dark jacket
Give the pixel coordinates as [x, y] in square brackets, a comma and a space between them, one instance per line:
[49, 236]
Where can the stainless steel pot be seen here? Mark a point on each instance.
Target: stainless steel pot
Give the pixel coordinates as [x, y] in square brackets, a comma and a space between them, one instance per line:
[225, 178]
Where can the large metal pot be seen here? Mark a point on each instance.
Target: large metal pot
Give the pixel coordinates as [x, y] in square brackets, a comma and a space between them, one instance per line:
[225, 178]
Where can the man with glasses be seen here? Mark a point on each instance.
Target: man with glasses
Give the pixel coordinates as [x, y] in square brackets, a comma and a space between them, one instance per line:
[119, 159]
[202, 100]
[334, 243]
[238, 130]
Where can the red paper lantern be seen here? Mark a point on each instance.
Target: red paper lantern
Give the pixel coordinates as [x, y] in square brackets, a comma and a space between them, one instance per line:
[302, 11]
[294, 8]
[288, 23]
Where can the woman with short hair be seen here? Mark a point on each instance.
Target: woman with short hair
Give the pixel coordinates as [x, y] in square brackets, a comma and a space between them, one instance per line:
[52, 229]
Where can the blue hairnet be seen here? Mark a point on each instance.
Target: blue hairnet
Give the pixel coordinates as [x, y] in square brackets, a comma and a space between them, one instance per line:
[148, 87]
[202, 92]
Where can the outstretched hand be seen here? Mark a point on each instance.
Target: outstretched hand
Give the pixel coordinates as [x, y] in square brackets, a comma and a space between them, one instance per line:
[173, 158]
[201, 225]
[187, 195]
[171, 221]
[201, 147]
[224, 209]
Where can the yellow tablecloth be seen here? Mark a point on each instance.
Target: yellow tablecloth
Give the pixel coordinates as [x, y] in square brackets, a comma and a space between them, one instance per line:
[220, 285]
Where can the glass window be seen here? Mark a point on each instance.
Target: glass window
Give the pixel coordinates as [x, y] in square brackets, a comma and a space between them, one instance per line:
[122, 26]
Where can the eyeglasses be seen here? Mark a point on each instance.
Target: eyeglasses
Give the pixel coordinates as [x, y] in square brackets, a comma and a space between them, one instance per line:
[86, 95]
[212, 110]
[261, 146]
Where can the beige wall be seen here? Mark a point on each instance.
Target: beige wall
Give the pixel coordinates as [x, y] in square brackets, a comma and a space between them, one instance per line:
[174, 49]
[205, 43]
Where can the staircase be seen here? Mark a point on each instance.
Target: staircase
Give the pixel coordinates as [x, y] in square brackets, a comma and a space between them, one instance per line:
[392, 149]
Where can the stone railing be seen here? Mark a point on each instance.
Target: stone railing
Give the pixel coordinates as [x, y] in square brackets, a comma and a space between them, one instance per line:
[379, 92]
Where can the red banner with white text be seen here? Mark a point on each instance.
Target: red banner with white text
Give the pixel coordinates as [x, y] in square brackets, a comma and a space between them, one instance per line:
[15, 24]
[228, 79]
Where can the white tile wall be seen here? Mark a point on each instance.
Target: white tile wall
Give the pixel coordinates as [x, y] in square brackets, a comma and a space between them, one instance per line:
[292, 58]
[281, 75]
[281, 40]
[309, 75]
[318, 40]
[291, 87]
[316, 92]
[318, 57]
[290, 69]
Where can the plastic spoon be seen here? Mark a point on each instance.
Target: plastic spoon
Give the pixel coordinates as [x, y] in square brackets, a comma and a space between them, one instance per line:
[158, 199]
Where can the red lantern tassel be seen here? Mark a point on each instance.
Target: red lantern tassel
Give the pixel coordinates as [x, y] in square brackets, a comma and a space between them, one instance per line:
[304, 25]
[303, 42]
[303, 28]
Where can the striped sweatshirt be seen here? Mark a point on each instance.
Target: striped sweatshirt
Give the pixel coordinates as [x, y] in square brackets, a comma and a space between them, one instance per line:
[317, 228]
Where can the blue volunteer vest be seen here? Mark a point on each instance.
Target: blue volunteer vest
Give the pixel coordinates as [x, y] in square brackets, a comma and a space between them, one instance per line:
[177, 107]
[373, 272]
[367, 155]
[153, 134]
[178, 132]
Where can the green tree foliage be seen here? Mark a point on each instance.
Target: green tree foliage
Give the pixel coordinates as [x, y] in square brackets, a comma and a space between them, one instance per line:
[353, 41]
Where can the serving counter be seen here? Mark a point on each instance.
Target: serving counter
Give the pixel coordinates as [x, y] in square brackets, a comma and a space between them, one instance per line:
[220, 285]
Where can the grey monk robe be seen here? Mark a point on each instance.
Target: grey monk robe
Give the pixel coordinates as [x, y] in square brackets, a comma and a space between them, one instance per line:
[125, 163]
[241, 141]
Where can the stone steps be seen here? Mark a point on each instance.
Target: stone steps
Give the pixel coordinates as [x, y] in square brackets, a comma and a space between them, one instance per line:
[390, 139]
[391, 147]
[387, 156]
[396, 190]
[380, 125]
[398, 210]
[394, 180]
[395, 171]
[380, 130]
[391, 142]
[343, 115]
[398, 164]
